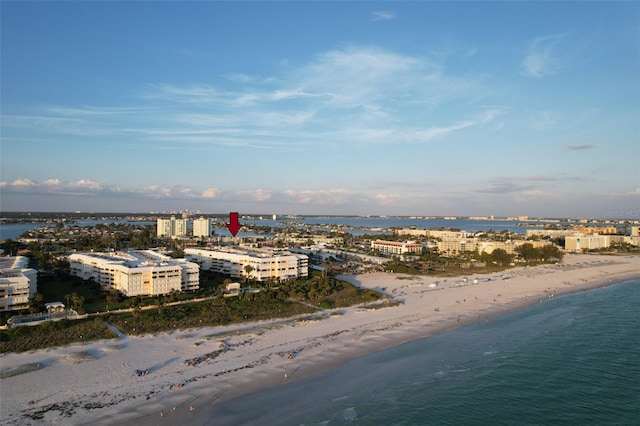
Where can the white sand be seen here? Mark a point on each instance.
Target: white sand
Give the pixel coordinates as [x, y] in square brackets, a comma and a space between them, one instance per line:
[94, 383]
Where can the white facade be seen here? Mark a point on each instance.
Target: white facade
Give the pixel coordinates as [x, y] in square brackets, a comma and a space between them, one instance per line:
[163, 227]
[396, 247]
[136, 273]
[202, 227]
[171, 227]
[260, 265]
[18, 283]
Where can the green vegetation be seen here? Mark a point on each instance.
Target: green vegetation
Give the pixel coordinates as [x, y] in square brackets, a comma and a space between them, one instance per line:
[53, 333]
[281, 301]
[326, 292]
[213, 312]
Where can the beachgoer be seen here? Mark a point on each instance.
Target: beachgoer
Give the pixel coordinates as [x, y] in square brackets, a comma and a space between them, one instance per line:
[161, 413]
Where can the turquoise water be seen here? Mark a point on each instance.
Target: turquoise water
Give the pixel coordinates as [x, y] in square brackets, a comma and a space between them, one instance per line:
[572, 360]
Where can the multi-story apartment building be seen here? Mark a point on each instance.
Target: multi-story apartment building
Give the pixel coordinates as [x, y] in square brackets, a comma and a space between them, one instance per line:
[445, 234]
[136, 273]
[454, 247]
[171, 227]
[18, 283]
[551, 233]
[432, 233]
[202, 227]
[412, 232]
[594, 242]
[596, 230]
[510, 246]
[257, 264]
[396, 247]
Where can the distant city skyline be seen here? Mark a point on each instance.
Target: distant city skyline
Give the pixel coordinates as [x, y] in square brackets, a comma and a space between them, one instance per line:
[337, 108]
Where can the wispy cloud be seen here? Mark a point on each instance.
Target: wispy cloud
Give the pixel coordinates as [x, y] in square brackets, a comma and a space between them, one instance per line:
[355, 95]
[543, 56]
[382, 15]
[580, 147]
[91, 188]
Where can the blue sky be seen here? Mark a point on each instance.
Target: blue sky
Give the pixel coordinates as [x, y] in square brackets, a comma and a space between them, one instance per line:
[397, 108]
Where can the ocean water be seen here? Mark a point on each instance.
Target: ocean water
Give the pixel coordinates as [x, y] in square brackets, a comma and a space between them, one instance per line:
[572, 360]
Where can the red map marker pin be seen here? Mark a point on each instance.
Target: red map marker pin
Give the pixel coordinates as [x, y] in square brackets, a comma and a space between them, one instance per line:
[234, 224]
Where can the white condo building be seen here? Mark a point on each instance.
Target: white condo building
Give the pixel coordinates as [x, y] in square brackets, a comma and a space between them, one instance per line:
[171, 227]
[136, 273]
[202, 227]
[260, 265]
[396, 247]
[18, 283]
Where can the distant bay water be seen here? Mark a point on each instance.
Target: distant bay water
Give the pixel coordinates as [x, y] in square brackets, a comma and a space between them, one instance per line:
[14, 230]
[359, 225]
[572, 360]
[383, 224]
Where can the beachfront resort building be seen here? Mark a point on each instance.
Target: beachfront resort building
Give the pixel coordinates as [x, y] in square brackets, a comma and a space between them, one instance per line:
[171, 227]
[396, 247]
[18, 283]
[202, 227]
[136, 272]
[455, 247]
[432, 233]
[257, 264]
[579, 243]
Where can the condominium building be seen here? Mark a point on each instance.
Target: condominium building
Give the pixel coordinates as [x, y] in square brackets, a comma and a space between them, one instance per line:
[454, 247]
[18, 283]
[136, 273]
[257, 264]
[551, 233]
[446, 234]
[412, 232]
[432, 233]
[596, 230]
[171, 227]
[202, 227]
[510, 246]
[396, 247]
[594, 242]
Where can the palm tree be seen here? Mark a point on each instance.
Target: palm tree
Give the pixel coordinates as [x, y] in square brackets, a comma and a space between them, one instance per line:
[248, 269]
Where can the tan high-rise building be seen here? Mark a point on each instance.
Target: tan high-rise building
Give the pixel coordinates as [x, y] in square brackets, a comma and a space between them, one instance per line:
[202, 227]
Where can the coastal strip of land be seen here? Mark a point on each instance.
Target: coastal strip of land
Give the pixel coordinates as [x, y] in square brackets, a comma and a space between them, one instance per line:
[181, 377]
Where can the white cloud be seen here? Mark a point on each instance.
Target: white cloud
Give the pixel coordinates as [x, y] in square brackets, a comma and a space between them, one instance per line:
[210, 193]
[387, 199]
[382, 15]
[352, 95]
[542, 57]
[255, 194]
[317, 197]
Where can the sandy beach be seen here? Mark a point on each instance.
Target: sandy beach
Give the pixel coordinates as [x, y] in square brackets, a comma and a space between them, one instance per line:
[191, 371]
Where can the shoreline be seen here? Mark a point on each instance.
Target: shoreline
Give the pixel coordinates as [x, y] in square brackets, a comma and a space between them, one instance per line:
[95, 382]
